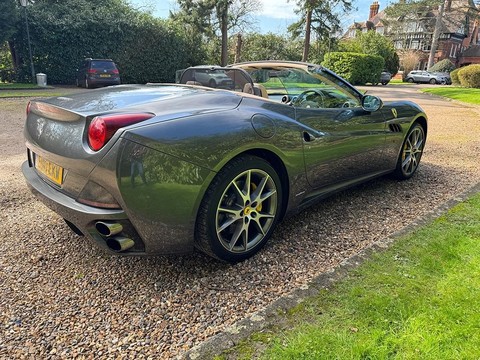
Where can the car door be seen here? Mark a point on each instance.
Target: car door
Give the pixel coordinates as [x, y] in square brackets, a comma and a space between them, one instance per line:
[342, 144]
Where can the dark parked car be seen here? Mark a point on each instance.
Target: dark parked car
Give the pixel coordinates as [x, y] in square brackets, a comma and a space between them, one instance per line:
[385, 77]
[419, 76]
[164, 168]
[97, 72]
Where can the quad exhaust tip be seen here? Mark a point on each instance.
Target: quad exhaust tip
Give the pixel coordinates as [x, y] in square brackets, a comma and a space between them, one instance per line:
[120, 243]
[109, 230]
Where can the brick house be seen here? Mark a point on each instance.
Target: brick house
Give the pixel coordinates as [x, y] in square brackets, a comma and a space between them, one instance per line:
[459, 40]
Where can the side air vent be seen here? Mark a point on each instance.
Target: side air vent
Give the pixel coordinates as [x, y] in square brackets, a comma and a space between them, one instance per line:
[396, 128]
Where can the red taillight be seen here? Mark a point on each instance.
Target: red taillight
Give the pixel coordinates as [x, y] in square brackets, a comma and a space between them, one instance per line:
[91, 71]
[102, 128]
[115, 71]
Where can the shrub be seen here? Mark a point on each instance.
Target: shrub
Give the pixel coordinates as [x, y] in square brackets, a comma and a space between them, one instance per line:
[454, 77]
[356, 68]
[469, 76]
[444, 65]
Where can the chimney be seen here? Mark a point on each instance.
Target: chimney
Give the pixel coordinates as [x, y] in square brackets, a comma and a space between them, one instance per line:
[373, 10]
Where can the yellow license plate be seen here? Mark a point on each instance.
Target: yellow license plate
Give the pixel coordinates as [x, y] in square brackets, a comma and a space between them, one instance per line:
[104, 75]
[52, 171]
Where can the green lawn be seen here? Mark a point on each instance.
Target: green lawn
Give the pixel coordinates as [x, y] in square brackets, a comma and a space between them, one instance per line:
[16, 86]
[399, 82]
[417, 300]
[12, 90]
[468, 95]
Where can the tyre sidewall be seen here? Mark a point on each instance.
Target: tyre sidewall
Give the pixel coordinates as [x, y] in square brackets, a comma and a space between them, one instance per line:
[399, 173]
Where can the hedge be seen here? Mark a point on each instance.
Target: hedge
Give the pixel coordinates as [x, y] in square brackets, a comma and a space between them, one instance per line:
[444, 65]
[356, 68]
[469, 76]
[454, 77]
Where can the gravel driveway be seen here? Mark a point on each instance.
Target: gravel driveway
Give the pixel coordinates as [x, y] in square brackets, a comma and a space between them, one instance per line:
[61, 298]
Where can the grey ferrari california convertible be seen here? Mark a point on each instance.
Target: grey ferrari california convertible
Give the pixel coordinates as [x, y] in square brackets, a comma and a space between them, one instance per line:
[164, 168]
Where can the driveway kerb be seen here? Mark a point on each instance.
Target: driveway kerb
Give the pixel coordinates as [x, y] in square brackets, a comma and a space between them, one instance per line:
[274, 313]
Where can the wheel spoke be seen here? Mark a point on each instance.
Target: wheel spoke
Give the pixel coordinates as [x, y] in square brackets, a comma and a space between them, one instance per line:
[228, 223]
[240, 193]
[238, 233]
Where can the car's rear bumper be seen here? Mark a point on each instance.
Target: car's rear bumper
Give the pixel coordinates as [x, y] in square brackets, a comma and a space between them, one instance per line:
[85, 217]
[93, 81]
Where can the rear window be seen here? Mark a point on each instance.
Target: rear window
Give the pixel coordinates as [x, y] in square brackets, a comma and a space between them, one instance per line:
[108, 65]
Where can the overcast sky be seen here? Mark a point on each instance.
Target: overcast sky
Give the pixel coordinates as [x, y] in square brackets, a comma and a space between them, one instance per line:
[275, 15]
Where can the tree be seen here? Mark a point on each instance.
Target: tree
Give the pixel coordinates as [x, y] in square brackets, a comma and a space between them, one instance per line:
[269, 47]
[9, 18]
[373, 43]
[64, 32]
[319, 16]
[10, 21]
[215, 18]
[408, 60]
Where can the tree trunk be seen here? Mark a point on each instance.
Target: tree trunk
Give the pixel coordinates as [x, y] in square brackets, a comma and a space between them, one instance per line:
[238, 48]
[15, 58]
[224, 29]
[308, 25]
[436, 35]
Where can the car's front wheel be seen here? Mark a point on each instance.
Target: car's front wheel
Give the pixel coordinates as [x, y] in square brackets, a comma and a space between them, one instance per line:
[411, 153]
[410, 80]
[240, 209]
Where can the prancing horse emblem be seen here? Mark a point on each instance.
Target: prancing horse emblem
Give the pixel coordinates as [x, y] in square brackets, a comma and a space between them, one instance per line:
[394, 112]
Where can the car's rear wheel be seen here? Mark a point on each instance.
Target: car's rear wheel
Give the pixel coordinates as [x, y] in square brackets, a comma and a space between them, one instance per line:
[240, 209]
[433, 81]
[212, 83]
[412, 150]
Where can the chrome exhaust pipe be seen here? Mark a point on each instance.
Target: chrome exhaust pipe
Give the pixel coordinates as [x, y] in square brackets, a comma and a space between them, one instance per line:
[120, 243]
[108, 228]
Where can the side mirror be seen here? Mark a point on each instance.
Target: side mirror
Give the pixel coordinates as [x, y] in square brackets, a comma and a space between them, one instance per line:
[371, 103]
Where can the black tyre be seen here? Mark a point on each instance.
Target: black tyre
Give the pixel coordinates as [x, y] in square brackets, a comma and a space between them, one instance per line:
[212, 83]
[433, 81]
[411, 153]
[410, 80]
[240, 210]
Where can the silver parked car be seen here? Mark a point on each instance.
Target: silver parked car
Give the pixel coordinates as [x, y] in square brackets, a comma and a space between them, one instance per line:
[164, 168]
[419, 76]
